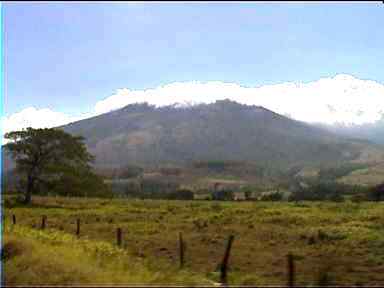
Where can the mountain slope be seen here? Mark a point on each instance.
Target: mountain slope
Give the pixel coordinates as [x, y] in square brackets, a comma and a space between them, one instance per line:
[371, 131]
[224, 130]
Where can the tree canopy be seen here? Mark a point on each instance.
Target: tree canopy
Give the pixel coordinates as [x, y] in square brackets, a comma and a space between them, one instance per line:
[49, 156]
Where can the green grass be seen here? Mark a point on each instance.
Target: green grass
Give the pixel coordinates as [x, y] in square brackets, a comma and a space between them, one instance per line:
[344, 239]
[36, 257]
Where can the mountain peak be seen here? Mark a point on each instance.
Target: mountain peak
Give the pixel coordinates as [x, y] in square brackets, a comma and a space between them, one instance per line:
[344, 77]
[223, 130]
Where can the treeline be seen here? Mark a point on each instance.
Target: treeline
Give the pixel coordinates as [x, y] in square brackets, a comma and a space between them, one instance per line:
[73, 183]
[319, 190]
[150, 188]
[266, 170]
[234, 168]
[178, 194]
[326, 186]
[333, 173]
[53, 162]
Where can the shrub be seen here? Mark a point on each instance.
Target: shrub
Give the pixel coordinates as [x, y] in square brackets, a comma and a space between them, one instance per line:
[358, 198]
[318, 191]
[223, 195]
[130, 172]
[181, 194]
[332, 173]
[376, 193]
[274, 196]
[170, 171]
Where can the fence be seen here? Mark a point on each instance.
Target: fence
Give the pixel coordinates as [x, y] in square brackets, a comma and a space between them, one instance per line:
[224, 264]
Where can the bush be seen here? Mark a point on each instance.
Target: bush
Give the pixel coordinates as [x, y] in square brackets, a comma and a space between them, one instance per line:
[376, 193]
[157, 189]
[336, 197]
[274, 196]
[358, 198]
[318, 191]
[331, 174]
[76, 183]
[130, 172]
[170, 171]
[182, 194]
[225, 195]
[215, 165]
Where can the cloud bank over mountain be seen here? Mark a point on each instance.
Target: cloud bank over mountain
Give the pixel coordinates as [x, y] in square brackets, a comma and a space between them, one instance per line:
[38, 118]
[342, 99]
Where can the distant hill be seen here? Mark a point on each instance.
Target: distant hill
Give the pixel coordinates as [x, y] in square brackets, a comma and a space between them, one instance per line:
[370, 131]
[225, 130]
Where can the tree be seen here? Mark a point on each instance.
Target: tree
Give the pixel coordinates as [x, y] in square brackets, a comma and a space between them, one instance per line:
[130, 172]
[319, 191]
[181, 194]
[377, 193]
[274, 196]
[46, 156]
[248, 194]
[224, 195]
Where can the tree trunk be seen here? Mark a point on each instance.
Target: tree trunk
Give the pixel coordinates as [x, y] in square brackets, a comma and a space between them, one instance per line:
[28, 193]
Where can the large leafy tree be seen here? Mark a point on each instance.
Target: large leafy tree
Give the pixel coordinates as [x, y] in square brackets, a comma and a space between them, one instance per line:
[48, 156]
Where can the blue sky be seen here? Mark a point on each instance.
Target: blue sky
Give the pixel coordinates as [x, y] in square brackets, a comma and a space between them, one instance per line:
[67, 56]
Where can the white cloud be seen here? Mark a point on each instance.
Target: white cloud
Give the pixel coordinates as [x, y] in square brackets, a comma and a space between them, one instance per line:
[37, 118]
[340, 99]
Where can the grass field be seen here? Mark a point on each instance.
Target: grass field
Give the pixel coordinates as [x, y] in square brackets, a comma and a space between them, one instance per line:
[334, 243]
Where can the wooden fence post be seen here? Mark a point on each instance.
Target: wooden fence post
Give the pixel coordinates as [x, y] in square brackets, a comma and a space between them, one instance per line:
[181, 249]
[77, 227]
[118, 236]
[14, 219]
[291, 270]
[224, 264]
[43, 220]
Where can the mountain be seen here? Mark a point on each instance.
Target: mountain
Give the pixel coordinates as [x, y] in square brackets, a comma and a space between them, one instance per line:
[225, 130]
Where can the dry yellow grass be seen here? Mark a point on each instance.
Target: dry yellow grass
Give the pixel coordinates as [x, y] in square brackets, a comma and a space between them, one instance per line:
[34, 257]
[347, 237]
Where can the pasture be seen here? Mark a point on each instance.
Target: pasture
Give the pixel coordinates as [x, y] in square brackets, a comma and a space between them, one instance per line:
[332, 243]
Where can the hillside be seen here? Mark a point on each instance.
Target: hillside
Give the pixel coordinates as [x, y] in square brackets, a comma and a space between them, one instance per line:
[225, 130]
[371, 131]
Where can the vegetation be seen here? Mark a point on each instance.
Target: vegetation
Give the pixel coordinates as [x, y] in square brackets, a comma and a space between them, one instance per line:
[216, 165]
[369, 176]
[211, 133]
[181, 194]
[274, 196]
[337, 243]
[225, 195]
[376, 193]
[318, 190]
[345, 237]
[34, 257]
[52, 159]
[130, 171]
[333, 173]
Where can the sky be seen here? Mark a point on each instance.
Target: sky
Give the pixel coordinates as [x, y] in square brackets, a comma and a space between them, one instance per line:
[68, 61]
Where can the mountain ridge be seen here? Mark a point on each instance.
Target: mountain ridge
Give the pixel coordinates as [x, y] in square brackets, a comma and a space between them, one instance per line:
[226, 130]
